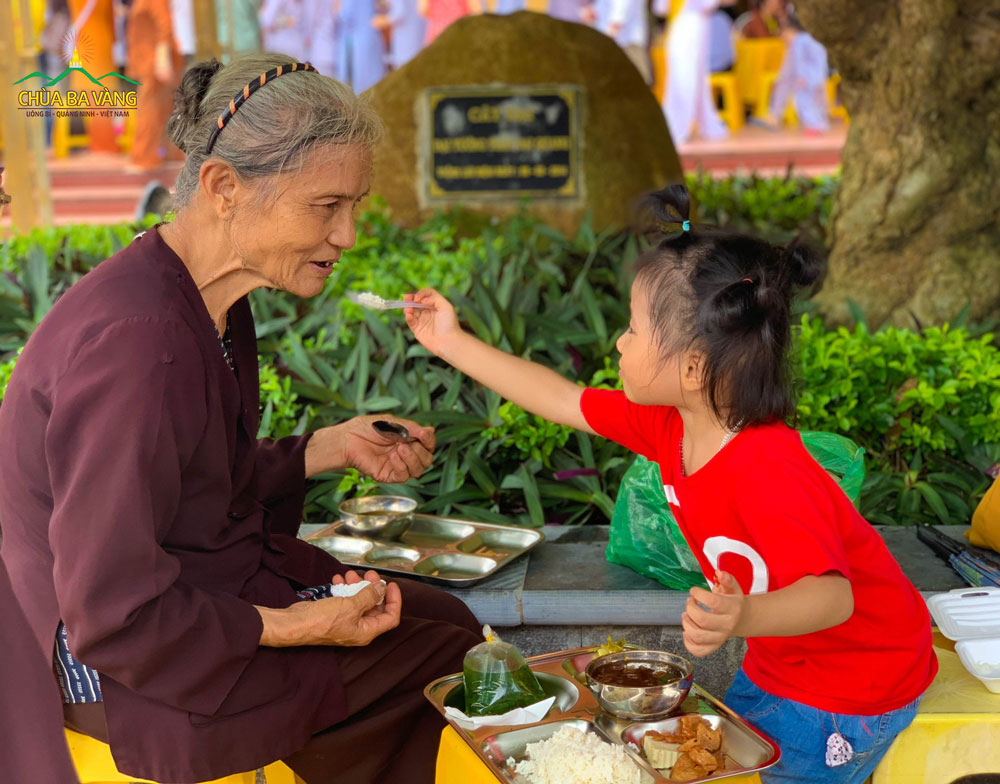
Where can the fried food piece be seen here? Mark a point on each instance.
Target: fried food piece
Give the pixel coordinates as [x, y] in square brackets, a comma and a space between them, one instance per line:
[687, 770]
[665, 737]
[689, 725]
[703, 759]
[709, 739]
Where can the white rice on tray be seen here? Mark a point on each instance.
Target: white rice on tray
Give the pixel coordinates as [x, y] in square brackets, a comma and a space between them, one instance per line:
[574, 757]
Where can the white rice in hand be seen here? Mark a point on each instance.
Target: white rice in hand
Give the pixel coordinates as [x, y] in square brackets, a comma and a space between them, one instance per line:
[574, 757]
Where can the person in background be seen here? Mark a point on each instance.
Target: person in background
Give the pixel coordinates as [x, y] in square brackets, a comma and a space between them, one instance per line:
[802, 78]
[321, 35]
[182, 16]
[627, 22]
[282, 27]
[153, 60]
[755, 23]
[360, 47]
[93, 22]
[245, 33]
[407, 29]
[441, 13]
[721, 54]
[567, 10]
[687, 100]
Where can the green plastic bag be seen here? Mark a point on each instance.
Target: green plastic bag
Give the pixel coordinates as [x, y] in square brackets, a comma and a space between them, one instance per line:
[646, 538]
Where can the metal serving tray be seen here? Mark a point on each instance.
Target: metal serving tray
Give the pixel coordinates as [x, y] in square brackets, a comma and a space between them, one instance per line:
[575, 706]
[441, 550]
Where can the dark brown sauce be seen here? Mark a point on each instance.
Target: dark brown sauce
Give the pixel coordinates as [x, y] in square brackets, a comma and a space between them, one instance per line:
[622, 673]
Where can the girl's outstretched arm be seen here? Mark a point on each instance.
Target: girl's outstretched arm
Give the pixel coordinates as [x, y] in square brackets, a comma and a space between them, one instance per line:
[533, 387]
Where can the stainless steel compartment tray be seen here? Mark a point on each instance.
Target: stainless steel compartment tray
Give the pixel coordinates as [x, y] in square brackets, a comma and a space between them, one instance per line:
[442, 550]
[746, 745]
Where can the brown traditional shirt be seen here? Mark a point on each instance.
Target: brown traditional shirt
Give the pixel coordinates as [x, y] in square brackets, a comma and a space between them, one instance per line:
[137, 505]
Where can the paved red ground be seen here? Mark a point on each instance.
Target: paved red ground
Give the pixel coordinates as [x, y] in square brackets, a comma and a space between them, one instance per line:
[96, 188]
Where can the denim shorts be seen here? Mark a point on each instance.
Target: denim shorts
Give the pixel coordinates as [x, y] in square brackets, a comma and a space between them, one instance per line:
[801, 732]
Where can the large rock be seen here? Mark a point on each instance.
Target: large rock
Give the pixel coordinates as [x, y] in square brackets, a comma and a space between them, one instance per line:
[626, 148]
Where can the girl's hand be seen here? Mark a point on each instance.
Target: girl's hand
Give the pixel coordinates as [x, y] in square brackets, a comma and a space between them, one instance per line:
[434, 326]
[706, 630]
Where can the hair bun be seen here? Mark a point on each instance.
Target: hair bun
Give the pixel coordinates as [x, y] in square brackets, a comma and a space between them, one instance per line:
[667, 206]
[802, 265]
[187, 101]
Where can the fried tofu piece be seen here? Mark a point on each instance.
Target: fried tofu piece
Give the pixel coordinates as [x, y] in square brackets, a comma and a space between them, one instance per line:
[708, 738]
[686, 770]
[703, 759]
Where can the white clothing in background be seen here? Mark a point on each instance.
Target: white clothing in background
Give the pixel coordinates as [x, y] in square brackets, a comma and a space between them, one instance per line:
[721, 53]
[282, 28]
[567, 10]
[360, 47]
[182, 19]
[687, 100]
[406, 36]
[321, 28]
[629, 16]
[803, 75]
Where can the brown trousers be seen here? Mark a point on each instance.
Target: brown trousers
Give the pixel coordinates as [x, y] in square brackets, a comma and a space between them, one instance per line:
[392, 731]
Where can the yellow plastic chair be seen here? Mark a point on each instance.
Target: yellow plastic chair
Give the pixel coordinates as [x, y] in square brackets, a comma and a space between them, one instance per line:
[63, 138]
[457, 763]
[836, 108]
[758, 61]
[94, 765]
[726, 85]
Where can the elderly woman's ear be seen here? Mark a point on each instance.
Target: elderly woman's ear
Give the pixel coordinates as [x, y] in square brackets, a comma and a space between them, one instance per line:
[219, 184]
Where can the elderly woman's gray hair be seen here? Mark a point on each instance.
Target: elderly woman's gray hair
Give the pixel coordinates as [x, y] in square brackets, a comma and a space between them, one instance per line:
[276, 127]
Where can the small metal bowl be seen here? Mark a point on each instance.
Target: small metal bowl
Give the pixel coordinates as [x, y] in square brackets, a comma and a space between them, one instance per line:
[378, 516]
[641, 702]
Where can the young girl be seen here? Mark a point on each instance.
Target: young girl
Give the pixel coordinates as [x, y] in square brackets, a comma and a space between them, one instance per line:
[838, 640]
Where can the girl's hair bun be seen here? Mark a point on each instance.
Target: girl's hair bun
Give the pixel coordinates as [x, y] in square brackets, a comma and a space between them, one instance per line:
[187, 101]
[670, 205]
[803, 266]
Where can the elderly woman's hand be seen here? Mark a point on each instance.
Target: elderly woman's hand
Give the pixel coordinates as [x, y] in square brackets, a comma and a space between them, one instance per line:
[356, 444]
[351, 621]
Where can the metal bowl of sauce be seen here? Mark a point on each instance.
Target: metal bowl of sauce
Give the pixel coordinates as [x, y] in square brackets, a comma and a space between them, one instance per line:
[640, 684]
[378, 516]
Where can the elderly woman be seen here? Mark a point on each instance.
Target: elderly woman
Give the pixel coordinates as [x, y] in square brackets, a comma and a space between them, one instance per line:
[150, 536]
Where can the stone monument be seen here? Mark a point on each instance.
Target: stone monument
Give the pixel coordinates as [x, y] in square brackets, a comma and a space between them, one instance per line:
[502, 111]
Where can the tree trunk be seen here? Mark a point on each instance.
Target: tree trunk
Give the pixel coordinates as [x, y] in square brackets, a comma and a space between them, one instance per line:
[914, 231]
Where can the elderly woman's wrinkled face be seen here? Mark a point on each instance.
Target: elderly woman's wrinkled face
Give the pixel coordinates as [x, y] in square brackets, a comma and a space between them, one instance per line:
[294, 241]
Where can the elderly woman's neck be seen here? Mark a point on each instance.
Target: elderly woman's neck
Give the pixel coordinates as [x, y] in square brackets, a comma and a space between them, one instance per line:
[213, 263]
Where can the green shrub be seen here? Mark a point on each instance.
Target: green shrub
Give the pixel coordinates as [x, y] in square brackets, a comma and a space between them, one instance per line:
[887, 390]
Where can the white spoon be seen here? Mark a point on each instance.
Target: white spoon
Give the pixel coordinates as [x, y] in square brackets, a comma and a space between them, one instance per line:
[368, 300]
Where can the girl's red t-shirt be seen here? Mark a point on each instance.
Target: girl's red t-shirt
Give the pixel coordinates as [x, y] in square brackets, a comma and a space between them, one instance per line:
[764, 510]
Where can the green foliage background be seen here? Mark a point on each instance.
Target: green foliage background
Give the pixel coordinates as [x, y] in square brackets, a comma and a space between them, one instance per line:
[925, 404]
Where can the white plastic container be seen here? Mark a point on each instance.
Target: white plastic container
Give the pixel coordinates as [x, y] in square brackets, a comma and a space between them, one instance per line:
[971, 617]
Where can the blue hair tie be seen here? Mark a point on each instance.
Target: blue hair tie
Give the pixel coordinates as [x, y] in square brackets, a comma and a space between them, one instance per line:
[686, 226]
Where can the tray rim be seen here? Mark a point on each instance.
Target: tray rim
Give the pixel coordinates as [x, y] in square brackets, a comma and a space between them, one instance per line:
[587, 709]
[336, 528]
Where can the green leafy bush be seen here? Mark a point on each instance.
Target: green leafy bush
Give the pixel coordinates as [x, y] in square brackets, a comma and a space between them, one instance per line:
[925, 405]
[775, 208]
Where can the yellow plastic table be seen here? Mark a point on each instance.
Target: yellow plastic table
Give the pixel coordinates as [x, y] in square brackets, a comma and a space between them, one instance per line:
[457, 763]
[956, 731]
